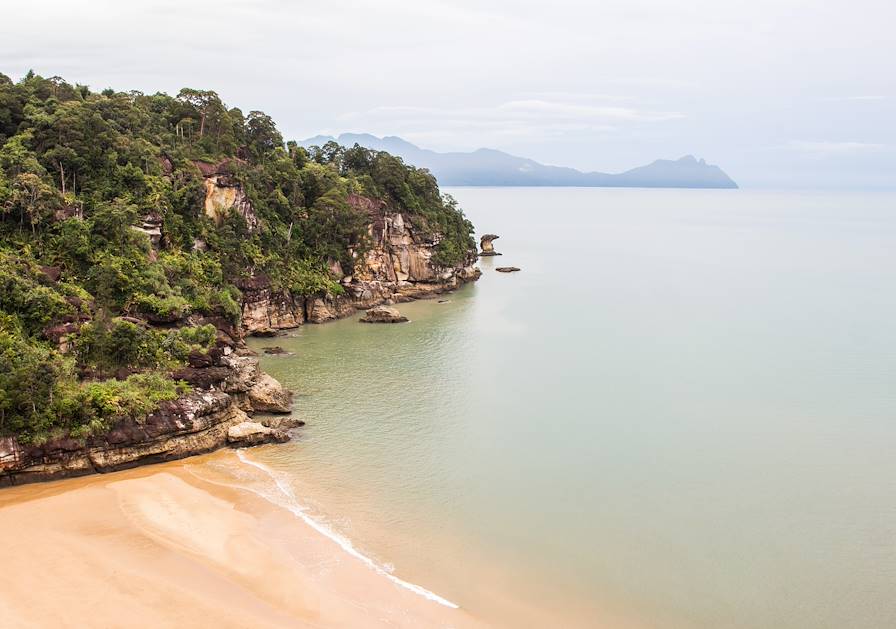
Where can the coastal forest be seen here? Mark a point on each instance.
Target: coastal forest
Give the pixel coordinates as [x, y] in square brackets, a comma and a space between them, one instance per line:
[110, 260]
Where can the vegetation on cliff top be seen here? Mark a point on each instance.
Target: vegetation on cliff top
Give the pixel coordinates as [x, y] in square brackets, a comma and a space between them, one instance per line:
[81, 172]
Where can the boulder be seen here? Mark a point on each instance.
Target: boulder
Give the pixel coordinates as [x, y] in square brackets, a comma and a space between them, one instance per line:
[383, 314]
[51, 273]
[247, 434]
[269, 396]
[507, 269]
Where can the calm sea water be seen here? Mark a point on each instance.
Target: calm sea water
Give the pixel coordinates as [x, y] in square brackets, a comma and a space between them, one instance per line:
[681, 413]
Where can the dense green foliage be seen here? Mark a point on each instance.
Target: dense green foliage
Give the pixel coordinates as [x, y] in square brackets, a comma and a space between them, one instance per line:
[80, 172]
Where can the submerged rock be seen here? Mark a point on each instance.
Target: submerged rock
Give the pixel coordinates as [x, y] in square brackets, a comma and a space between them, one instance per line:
[507, 269]
[275, 350]
[383, 314]
[485, 244]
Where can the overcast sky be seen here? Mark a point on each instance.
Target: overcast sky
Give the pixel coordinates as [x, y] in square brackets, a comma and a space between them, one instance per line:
[790, 93]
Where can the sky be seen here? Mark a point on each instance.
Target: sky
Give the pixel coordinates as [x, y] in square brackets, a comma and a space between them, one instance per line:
[779, 93]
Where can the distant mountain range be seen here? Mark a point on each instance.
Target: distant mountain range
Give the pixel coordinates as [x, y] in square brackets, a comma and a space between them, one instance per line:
[488, 167]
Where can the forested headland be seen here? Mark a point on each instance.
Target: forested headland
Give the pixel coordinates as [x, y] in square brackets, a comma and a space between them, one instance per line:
[109, 253]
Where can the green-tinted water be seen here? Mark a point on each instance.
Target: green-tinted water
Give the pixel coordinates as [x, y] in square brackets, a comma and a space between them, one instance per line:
[680, 413]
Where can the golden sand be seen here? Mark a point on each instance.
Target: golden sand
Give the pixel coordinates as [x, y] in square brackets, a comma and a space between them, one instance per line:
[162, 547]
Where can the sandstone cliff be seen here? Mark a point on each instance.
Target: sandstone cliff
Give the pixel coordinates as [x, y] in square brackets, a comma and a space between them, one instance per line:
[223, 193]
[399, 266]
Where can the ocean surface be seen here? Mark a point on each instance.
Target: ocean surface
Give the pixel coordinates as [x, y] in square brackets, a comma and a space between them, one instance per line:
[681, 413]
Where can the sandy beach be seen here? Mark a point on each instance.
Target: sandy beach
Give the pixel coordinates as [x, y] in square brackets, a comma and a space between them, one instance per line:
[175, 546]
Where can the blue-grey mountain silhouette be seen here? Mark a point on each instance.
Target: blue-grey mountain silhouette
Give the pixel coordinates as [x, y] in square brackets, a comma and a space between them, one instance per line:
[488, 167]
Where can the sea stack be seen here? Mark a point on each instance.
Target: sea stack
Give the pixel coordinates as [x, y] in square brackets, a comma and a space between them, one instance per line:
[485, 244]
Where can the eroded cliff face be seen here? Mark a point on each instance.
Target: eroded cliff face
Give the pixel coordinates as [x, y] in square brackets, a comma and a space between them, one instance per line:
[224, 193]
[227, 386]
[398, 267]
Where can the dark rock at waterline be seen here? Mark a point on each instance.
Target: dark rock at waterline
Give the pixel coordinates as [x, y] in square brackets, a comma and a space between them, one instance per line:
[282, 423]
[507, 269]
[383, 314]
[265, 332]
[275, 350]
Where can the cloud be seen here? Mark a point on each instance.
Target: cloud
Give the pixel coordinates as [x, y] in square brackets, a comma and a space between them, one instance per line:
[517, 119]
[599, 85]
[867, 97]
[543, 108]
[822, 149]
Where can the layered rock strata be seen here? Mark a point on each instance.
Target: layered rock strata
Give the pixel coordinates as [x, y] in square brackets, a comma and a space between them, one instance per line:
[227, 386]
[398, 267]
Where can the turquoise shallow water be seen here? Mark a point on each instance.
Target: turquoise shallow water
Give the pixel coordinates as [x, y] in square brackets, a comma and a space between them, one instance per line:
[680, 413]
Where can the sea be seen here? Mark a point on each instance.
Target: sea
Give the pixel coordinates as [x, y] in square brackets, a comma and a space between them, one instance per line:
[679, 413]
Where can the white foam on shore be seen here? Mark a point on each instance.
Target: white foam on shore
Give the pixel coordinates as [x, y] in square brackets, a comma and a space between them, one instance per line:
[291, 504]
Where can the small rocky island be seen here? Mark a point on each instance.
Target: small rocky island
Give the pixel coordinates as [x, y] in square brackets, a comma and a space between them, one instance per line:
[507, 269]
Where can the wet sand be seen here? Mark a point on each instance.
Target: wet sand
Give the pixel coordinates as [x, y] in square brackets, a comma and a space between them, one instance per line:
[172, 546]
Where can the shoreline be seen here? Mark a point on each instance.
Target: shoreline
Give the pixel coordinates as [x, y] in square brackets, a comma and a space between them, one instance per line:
[199, 429]
[175, 540]
[344, 543]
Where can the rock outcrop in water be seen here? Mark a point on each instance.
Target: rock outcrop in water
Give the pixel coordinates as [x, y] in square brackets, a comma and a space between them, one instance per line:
[486, 246]
[398, 267]
[246, 434]
[507, 269]
[383, 314]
